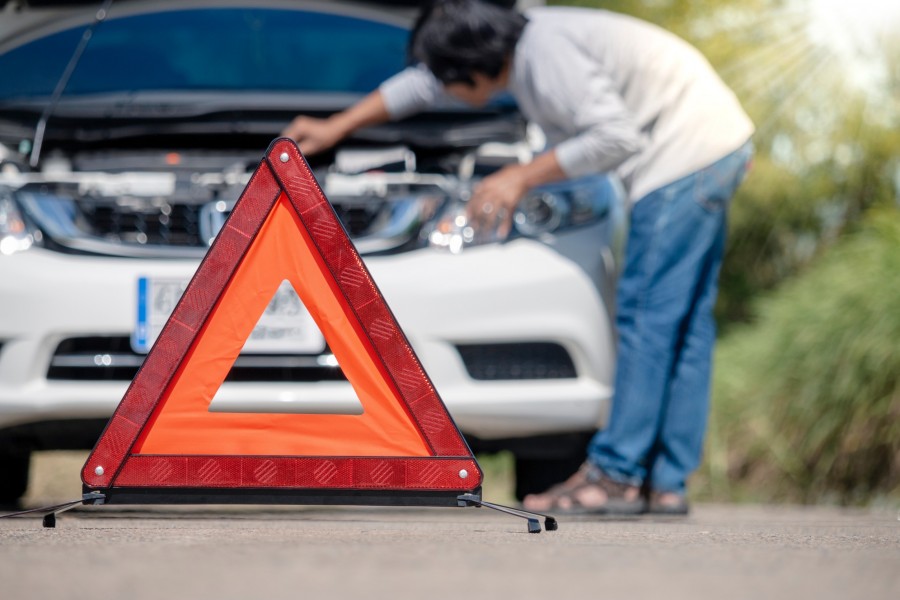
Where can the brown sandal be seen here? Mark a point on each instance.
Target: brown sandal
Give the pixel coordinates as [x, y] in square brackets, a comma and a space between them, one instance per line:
[568, 497]
[668, 504]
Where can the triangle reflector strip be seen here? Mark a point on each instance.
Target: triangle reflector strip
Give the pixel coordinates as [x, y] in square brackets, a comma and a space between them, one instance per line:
[163, 435]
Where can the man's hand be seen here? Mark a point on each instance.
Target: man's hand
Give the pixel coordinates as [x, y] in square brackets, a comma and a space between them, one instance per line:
[494, 200]
[313, 135]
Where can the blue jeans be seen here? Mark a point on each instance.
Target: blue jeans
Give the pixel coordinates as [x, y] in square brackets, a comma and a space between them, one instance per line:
[666, 329]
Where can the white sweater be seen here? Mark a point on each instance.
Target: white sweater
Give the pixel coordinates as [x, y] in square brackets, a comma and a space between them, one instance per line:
[612, 93]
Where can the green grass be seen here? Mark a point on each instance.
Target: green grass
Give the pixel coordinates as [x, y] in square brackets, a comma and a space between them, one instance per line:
[806, 401]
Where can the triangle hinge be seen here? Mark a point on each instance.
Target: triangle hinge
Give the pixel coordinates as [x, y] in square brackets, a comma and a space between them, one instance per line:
[93, 498]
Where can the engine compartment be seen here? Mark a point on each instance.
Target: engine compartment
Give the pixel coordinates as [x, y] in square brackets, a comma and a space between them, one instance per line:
[172, 203]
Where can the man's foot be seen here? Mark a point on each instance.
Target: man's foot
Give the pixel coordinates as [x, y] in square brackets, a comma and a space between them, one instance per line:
[667, 503]
[589, 491]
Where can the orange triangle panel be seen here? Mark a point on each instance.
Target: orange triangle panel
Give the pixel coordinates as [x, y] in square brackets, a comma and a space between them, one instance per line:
[163, 435]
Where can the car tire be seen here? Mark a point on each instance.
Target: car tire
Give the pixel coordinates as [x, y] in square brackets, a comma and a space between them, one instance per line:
[535, 475]
[13, 477]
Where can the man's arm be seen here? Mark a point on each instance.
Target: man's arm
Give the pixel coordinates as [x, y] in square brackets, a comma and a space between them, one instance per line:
[316, 135]
[406, 93]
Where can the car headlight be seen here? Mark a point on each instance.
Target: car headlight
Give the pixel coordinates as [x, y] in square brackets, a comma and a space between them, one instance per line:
[540, 213]
[546, 210]
[567, 204]
[451, 230]
[14, 234]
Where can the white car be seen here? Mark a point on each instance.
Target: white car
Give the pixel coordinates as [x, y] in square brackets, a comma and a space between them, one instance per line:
[124, 148]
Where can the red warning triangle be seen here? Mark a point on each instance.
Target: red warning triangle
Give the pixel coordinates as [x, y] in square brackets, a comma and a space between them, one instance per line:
[163, 436]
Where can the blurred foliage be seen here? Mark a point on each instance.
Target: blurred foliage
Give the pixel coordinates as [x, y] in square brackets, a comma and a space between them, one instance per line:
[806, 400]
[499, 477]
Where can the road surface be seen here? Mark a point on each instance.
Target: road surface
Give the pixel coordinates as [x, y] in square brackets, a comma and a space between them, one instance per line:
[200, 553]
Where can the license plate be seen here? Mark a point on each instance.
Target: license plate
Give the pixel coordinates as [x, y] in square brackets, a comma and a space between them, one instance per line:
[286, 327]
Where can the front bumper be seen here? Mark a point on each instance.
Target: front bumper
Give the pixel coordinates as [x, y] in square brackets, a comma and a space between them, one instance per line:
[518, 292]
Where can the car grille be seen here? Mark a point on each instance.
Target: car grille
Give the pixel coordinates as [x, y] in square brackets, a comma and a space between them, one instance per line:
[112, 359]
[524, 360]
[180, 224]
[177, 225]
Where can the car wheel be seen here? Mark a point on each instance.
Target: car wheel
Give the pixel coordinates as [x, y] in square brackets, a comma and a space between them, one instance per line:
[535, 475]
[13, 477]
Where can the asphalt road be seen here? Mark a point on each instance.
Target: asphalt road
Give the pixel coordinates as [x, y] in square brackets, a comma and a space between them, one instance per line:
[200, 553]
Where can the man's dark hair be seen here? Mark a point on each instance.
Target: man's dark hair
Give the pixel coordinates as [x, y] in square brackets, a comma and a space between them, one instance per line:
[456, 38]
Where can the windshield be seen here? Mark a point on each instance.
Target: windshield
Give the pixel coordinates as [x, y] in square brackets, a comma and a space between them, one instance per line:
[212, 49]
